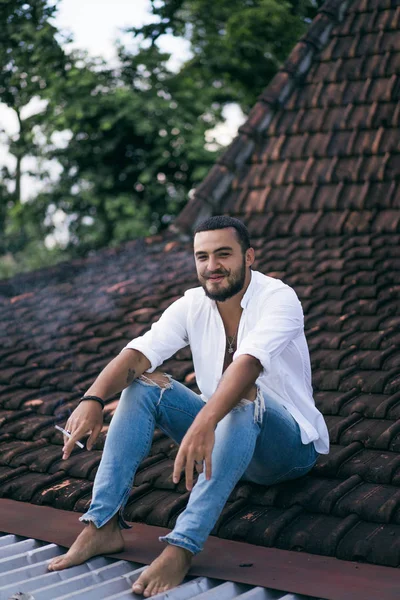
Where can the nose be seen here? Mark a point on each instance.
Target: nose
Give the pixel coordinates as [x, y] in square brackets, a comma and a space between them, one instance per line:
[213, 264]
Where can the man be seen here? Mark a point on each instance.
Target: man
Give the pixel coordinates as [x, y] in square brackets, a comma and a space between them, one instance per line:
[255, 420]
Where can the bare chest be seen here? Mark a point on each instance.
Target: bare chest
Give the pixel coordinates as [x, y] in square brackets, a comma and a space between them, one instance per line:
[231, 327]
[230, 349]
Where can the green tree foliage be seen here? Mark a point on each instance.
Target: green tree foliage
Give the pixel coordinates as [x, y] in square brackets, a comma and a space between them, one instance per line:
[31, 58]
[136, 147]
[237, 45]
[138, 132]
[134, 134]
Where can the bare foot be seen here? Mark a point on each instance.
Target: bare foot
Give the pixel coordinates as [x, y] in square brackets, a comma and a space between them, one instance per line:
[166, 572]
[90, 542]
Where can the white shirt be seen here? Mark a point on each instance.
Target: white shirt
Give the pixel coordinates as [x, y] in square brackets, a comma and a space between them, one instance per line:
[271, 328]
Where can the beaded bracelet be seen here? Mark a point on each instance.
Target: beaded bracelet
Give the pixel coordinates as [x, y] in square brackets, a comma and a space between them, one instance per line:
[96, 398]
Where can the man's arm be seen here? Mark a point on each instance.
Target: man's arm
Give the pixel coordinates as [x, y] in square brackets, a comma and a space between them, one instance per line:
[119, 374]
[88, 415]
[166, 336]
[281, 321]
[235, 384]
[145, 353]
[198, 443]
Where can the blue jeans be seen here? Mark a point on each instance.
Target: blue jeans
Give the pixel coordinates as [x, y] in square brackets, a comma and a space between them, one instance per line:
[250, 445]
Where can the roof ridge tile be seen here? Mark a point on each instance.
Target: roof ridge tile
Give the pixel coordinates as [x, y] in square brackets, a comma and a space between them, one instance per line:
[320, 29]
[336, 9]
[300, 59]
[238, 151]
[219, 179]
[280, 87]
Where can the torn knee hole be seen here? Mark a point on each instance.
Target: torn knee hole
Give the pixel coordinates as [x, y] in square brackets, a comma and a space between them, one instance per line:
[157, 379]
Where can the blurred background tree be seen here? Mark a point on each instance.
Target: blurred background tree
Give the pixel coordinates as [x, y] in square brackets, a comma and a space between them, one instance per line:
[135, 148]
[129, 140]
[31, 58]
[237, 45]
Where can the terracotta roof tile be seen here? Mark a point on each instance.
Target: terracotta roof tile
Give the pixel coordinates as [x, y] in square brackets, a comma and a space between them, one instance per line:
[371, 543]
[161, 503]
[314, 174]
[63, 493]
[371, 465]
[28, 484]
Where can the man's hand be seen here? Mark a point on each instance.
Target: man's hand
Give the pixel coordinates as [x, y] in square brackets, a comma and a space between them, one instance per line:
[86, 418]
[196, 447]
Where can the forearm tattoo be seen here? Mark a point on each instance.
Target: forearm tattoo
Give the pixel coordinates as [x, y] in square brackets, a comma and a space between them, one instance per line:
[131, 376]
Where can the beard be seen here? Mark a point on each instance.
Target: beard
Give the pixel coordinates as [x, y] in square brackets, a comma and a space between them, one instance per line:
[235, 284]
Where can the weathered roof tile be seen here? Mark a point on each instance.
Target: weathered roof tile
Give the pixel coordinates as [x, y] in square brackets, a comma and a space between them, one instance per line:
[368, 542]
[314, 174]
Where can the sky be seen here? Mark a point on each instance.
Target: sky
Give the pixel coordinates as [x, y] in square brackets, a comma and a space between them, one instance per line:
[95, 25]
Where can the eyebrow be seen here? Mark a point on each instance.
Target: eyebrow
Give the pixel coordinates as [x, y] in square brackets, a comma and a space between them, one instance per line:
[223, 248]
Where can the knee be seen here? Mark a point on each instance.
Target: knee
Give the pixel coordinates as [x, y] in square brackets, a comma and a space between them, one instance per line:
[157, 379]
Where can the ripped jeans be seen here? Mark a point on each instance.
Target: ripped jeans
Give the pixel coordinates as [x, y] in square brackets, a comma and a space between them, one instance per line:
[250, 445]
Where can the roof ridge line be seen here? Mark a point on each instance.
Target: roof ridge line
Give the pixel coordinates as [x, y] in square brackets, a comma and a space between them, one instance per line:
[211, 191]
[10, 287]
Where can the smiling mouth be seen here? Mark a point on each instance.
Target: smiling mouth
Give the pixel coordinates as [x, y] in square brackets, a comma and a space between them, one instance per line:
[217, 278]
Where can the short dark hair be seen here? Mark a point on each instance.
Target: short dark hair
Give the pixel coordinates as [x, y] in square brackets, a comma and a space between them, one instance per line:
[223, 222]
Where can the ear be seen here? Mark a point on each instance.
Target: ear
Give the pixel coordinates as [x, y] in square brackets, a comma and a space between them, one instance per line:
[250, 257]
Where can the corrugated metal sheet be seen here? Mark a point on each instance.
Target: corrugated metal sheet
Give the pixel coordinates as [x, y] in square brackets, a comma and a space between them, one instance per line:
[24, 576]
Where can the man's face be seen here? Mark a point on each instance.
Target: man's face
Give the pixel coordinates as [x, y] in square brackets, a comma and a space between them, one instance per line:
[220, 263]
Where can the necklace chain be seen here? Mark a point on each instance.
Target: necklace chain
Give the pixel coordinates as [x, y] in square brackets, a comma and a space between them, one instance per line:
[230, 343]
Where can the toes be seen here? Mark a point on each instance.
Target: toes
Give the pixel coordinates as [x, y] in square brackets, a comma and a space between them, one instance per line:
[56, 566]
[53, 564]
[138, 586]
[157, 590]
[150, 590]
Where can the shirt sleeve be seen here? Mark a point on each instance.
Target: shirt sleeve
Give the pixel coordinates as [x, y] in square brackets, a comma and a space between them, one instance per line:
[281, 320]
[166, 336]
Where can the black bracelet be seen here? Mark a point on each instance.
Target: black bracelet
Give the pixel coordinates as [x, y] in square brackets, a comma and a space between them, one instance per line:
[96, 398]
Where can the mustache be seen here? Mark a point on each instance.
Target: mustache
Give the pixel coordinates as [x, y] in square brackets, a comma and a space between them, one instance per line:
[208, 275]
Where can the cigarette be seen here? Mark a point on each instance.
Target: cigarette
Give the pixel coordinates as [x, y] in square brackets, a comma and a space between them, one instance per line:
[68, 435]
